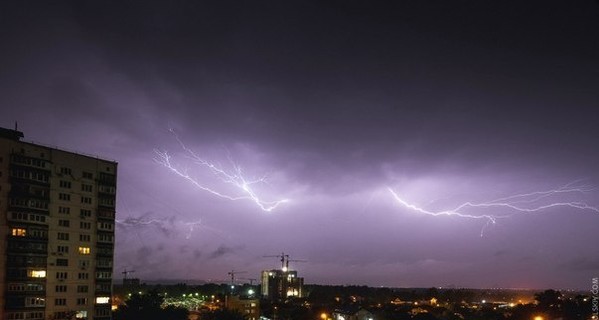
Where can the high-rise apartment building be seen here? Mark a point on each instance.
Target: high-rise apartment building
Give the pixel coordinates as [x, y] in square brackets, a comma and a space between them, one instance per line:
[57, 212]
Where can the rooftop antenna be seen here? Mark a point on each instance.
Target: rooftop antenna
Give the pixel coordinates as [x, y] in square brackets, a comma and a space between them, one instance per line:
[16, 126]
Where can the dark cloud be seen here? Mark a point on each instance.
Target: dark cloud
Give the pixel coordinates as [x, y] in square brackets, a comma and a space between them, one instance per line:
[223, 250]
[581, 264]
[334, 101]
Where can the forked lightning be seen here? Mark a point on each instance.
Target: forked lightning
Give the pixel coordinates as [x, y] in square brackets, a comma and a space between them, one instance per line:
[515, 204]
[233, 177]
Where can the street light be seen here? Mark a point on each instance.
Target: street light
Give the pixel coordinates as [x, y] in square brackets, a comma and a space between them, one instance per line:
[539, 318]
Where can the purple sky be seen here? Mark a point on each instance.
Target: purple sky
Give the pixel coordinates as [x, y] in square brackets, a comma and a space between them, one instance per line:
[335, 102]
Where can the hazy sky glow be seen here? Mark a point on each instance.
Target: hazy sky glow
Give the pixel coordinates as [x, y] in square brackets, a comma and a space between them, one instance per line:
[331, 104]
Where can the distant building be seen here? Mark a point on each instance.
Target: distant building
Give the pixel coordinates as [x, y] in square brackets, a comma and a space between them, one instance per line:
[249, 307]
[281, 284]
[56, 232]
[352, 313]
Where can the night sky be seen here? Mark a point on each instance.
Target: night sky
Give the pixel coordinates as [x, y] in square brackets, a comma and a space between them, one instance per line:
[336, 103]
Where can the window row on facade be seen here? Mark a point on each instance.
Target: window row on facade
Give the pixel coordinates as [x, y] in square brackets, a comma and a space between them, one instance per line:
[28, 217]
[30, 174]
[28, 315]
[29, 203]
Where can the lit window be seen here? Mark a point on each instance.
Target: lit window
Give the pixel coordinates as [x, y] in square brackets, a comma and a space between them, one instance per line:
[81, 314]
[17, 232]
[84, 250]
[37, 273]
[102, 299]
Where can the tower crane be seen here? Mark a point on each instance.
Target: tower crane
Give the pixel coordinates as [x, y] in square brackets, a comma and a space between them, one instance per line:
[232, 274]
[283, 257]
[293, 260]
[127, 272]
[251, 280]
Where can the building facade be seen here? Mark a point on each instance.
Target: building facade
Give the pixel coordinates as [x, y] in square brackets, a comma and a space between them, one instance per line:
[57, 211]
[249, 307]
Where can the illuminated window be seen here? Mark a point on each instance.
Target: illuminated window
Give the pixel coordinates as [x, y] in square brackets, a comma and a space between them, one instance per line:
[81, 314]
[84, 250]
[35, 302]
[36, 273]
[17, 232]
[102, 300]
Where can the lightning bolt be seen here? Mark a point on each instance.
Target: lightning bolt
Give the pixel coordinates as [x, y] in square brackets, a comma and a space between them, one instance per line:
[516, 204]
[233, 177]
[164, 224]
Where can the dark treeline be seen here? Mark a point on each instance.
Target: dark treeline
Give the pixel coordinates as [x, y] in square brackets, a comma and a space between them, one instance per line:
[384, 303]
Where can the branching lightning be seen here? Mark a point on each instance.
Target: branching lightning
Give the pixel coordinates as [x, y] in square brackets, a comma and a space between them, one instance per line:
[234, 177]
[515, 204]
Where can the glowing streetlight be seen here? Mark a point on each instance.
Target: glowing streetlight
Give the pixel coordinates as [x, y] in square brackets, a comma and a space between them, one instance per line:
[323, 316]
[539, 318]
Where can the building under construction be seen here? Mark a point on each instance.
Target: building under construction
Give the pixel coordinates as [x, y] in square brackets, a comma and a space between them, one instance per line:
[282, 284]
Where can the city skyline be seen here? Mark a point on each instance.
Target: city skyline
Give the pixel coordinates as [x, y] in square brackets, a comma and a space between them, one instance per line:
[390, 144]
